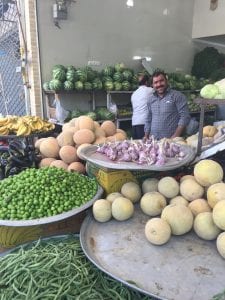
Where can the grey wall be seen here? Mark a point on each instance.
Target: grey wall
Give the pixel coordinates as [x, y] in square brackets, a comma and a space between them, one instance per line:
[109, 32]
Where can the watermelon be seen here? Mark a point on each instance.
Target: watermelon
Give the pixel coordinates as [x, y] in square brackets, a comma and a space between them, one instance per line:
[126, 86]
[117, 86]
[68, 85]
[71, 68]
[79, 85]
[56, 85]
[119, 67]
[128, 74]
[109, 86]
[134, 86]
[97, 84]
[106, 78]
[59, 74]
[118, 76]
[71, 75]
[56, 67]
[91, 74]
[87, 86]
[46, 86]
[92, 115]
[108, 71]
[81, 75]
[135, 78]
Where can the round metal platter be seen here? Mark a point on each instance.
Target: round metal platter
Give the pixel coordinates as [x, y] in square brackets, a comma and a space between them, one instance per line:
[186, 268]
[89, 154]
[46, 220]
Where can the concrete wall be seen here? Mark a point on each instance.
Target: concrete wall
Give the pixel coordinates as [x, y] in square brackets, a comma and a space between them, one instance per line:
[207, 22]
[109, 32]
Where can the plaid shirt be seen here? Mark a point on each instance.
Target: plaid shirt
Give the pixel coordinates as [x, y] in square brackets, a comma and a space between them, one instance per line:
[165, 114]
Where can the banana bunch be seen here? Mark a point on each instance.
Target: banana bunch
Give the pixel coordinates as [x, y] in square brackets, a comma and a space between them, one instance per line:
[24, 126]
[13, 236]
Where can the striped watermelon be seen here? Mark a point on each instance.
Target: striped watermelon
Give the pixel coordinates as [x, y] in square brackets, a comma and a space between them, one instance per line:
[109, 86]
[119, 67]
[56, 85]
[108, 71]
[127, 74]
[59, 74]
[87, 86]
[126, 86]
[117, 86]
[68, 85]
[79, 85]
[118, 76]
[81, 75]
[46, 86]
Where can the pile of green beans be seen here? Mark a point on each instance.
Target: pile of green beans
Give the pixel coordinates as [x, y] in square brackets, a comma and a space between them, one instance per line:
[57, 270]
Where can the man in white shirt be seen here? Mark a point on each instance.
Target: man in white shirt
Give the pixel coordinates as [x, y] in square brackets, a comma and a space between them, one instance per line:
[139, 101]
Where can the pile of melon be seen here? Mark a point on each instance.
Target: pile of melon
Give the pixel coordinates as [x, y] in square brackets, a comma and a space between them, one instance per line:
[64, 150]
[196, 202]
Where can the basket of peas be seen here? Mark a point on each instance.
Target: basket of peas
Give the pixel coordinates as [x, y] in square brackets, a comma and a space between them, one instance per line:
[41, 196]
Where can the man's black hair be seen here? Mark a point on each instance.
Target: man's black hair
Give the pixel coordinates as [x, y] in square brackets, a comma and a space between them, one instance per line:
[144, 80]
[158, 72]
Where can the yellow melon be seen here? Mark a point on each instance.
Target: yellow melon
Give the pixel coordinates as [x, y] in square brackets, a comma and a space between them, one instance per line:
[220, 244]
[215, 193]
[191, 190]
[112, 196]
[102, 210]
[168, 187]
[150, 185]
[122, 209]
[219, 214]
[179, 200]
[131, 190]
[157, 231]
[198, 206]
[152, 203]
[204, 226]
[179, 217]
[187, 177]
[208, 172]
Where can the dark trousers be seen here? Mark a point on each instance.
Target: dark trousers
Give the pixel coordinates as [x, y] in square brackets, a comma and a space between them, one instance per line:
[138, 132]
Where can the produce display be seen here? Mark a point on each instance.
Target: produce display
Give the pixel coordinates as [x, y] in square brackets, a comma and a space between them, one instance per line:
[57, 269]
[118, 77]
[195, 202]
[64, 150]
[100, 113]
[24, 126]
[37, 193]
[148, 152]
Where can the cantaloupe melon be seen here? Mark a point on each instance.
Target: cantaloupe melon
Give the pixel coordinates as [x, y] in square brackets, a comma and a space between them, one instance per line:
[122, 209]
[168, 187]
[99, 132]
[157, 231]
[58, 163]
[109, 127]
[77, 167]
[49, 148]
[71, 129]
[100, 140]
[67, 126]
[204, 226]
[179, 200]
[85, 122]
[84, 136]
[68, 154]
[215, 193]
[131, 190]
[38, 143]
[187, 177]
[65, 138]
[112, 196]
[45, 162]
[119, 136]
[219, 214]
[179, 217]
[198, 206]
[220, 244]
[150, 185]
[96, 125]
[152, 203]
[208, 172]
[102, 210]
[191, 190]
[74, 121]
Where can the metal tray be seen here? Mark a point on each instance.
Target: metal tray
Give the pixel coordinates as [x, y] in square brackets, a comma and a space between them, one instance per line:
[186, 268]
[89, 153]
[59, 217]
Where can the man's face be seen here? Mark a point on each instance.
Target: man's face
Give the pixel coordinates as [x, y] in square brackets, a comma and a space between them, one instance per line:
[159, 83]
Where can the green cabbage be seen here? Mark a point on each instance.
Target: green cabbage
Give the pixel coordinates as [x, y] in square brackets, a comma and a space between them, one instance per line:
[221, 86]
[209, 91]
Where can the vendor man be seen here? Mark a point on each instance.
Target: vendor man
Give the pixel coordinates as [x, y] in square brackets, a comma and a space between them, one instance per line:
[168, 113]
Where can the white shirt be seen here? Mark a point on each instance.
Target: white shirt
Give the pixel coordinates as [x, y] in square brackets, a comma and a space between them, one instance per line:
[139, 101]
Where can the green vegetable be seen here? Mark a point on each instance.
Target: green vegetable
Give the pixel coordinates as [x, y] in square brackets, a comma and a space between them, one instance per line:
[37, 193]
[58, 269]
[205, 62]
[209, 91]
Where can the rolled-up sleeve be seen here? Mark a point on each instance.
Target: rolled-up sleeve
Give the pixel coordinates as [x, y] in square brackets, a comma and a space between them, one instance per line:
[148, 121]
[182, 108]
